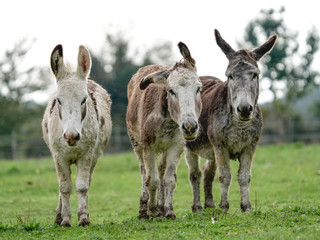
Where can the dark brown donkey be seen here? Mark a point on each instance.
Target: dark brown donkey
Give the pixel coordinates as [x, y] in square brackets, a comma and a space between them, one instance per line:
[163, 110]
[230, 125]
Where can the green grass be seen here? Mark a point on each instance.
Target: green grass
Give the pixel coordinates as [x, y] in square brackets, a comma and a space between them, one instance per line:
[285, 194]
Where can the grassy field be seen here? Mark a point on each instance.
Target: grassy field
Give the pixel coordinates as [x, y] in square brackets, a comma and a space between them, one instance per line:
[285, 194]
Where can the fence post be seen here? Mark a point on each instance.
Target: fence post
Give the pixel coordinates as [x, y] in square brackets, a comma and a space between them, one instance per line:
[14, 146]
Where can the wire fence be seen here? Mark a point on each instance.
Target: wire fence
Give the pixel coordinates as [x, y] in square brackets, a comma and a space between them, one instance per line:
[33, 146]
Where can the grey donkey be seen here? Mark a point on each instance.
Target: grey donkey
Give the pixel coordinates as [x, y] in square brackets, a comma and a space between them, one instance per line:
[230, 126]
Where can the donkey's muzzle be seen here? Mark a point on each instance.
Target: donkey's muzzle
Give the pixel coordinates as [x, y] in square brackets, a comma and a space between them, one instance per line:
[245, 111]
[72, 139]
[190, 129]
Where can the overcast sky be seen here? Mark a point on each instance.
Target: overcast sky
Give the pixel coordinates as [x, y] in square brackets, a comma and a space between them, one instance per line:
[145, 23]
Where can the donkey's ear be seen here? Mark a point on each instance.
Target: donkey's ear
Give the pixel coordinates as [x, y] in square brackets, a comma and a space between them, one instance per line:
[84, 62]
[191, 63]
[159, 77]
[265, 48]
[225, 47]
[56, 61]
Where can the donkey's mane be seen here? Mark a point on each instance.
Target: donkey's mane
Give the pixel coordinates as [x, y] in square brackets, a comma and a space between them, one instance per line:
[180, 64]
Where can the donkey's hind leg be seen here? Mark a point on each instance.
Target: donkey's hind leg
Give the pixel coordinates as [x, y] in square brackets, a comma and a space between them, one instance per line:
[193, 163]
[150, 158]
[170, 179]
[223, 166]
[63, 214]
[58, 219]
[244, 176]
[209, 171]
[82, 188]
[161, 192]
[144, 197]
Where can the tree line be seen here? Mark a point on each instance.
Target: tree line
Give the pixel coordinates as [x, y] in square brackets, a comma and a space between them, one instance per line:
[20, 120]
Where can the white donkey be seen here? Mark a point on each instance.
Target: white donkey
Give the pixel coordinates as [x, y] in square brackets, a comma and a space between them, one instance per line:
[76, 127]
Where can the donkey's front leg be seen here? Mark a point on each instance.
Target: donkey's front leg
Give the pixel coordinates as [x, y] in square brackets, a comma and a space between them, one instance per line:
[223, 165]
[82, 188]
[152, 180]
[63, 214]
[244, 176]
[170, 179]
[193, 163]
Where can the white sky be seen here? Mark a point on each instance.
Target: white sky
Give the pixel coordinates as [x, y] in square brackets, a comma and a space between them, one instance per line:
[75, 22]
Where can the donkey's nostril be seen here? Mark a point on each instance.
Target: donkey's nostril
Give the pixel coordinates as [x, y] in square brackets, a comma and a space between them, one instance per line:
[184, 128]
[77, 137]
[190, 126]
[245, 111]
[195, 127]
[65, 137]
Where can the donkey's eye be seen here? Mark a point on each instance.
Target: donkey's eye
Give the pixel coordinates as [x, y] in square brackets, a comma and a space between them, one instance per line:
[172, 92]
[83, 101]
[255, 76]
[230, 77]
[198, 90]
[59, 101]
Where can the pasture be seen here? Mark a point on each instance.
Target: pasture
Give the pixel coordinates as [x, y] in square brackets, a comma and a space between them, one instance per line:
[285, 196]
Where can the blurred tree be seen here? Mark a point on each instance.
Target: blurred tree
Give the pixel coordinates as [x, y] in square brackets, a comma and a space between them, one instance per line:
[288, 71]
[284, 64]
[315, 109]
[16, 83]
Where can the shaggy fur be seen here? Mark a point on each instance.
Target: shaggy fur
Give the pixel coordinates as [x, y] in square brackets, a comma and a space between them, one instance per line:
[76, 127]
[163, 109]
[231, 125]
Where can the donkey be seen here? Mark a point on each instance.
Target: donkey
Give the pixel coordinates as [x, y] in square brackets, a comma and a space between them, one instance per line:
[230, 126]
[163, 110]
[76, 127]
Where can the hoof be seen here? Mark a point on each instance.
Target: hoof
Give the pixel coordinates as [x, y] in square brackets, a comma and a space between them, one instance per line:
[143, 215]
[209, 204]
[84, 222]
[170, 215]
[58, 219]
[153, 212]
[224, 206]
[161, 212]
[65, 223]
[196, 208]
[246, 207]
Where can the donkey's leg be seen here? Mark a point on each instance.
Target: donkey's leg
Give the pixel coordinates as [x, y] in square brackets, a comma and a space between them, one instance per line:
[82, 188]
[244, 176]
[223, 165]
[65, 187]
[144, 191]
[93, 165]
[193, 163]
[58, 219]
[170, 178]
[161, 169]
[152, 180]
[209, 171]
